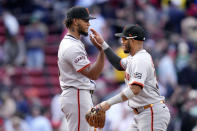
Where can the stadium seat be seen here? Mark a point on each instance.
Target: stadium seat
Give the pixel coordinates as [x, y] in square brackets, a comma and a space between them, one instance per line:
[44, 91]
[54, 81]
[52, 39]
[51, 50]
[35, 72]
[36, 81]
[53, 71]
[46, 101]
[51, 60]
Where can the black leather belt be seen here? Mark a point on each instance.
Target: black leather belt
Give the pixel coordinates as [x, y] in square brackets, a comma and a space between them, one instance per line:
[91, 92]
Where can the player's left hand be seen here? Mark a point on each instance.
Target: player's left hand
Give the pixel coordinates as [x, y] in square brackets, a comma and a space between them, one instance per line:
[96, 117]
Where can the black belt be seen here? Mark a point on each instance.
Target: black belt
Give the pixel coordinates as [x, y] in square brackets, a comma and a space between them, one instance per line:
[91, 92]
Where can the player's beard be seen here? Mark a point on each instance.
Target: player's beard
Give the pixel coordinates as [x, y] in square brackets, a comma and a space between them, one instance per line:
[81, 30]
[127, 48]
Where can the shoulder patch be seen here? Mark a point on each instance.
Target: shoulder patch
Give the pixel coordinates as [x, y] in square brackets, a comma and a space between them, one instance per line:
[137, 75]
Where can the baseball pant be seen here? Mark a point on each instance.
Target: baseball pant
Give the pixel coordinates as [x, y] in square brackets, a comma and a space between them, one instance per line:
[155, 118]
[75, 103]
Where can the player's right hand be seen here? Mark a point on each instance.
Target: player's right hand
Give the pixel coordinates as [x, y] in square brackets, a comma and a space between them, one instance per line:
[96, 38]
[105, 105]
[95, 43]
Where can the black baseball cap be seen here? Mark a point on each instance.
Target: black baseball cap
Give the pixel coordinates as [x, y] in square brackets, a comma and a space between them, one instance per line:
[132, 31]
[79, 12]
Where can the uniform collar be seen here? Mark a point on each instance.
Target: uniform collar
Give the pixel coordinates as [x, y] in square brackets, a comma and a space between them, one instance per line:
[70, 37]
[140, 51]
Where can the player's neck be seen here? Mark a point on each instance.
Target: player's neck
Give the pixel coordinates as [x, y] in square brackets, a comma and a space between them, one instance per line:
[136, 48]
[73, 33]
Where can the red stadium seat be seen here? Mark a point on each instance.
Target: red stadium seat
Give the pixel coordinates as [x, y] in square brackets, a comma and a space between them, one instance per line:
[22, 30]
[54, 81]
[2, 30]
[46, 101]
[36, 81]
[35, 72]
[56, 90]
[51, 50]
[52, 39]
[53, 71]
[2, 39]
[44, 92]
[51, 60]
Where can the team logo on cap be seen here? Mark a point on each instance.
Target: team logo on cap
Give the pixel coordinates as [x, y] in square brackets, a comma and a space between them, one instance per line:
[87, 10]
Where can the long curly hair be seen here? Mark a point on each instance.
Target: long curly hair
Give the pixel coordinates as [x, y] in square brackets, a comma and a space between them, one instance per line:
[68, 22]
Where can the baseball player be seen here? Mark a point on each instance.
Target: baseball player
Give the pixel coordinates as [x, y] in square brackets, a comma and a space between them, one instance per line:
[76, 71]
[142, 90]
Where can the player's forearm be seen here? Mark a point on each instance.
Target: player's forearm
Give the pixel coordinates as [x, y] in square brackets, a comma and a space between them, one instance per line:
[97, 67]
[112, 57]
[126, 94]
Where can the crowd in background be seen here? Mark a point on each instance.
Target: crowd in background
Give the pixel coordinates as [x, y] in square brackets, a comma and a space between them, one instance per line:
[28, 26]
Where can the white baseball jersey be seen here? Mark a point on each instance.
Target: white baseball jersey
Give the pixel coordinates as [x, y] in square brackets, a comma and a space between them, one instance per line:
[139, 69]
[72, 58]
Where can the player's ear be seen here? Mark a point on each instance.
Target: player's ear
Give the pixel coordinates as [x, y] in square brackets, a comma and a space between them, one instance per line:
[75, 21]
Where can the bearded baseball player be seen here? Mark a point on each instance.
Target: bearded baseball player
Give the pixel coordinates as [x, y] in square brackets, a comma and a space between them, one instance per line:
[142, 93]
[76, 71]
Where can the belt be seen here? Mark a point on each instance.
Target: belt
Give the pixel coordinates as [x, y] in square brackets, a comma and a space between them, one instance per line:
[91, 92]
[140, 109]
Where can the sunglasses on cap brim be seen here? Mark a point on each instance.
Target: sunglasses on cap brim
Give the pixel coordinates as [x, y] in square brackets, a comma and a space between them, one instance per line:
[129, 37]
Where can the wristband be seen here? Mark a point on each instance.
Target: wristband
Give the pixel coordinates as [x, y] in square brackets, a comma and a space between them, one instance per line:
[104, 45]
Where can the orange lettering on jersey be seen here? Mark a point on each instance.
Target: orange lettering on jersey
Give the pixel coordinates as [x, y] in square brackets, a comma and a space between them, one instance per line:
[79, 58]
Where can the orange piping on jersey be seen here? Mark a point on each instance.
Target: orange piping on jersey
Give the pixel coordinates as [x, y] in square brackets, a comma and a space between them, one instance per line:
[78, 98]
[137, 83]
[121, 65]
[151, 108]
[83, 68]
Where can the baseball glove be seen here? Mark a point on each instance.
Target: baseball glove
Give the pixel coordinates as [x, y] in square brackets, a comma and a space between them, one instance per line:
[96, 117]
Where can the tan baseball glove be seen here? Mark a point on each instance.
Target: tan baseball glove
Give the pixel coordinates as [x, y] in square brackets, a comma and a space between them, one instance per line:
[96, 117]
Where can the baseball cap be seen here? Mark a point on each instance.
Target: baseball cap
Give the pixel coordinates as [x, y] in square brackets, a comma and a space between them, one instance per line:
[79, 12]
[132, 31]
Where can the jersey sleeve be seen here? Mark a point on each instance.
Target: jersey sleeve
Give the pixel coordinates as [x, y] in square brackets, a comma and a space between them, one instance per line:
[138, 70]
[123, 63]
[78, 58]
